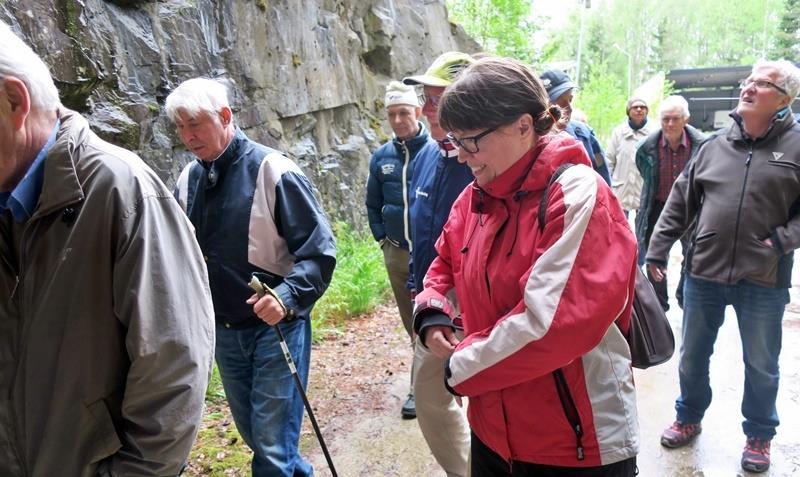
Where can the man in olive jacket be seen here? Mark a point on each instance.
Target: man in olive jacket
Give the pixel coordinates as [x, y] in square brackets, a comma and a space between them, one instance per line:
[742, 190]
[106, 327]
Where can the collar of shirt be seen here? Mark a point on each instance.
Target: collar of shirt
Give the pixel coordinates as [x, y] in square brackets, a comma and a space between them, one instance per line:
[448, 149]
[684, 141]
[23, 199]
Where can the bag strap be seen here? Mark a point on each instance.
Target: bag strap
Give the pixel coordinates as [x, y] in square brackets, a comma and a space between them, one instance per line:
[546, 196]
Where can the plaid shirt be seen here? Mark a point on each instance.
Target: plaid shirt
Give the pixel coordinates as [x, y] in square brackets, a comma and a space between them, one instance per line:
[670, 165]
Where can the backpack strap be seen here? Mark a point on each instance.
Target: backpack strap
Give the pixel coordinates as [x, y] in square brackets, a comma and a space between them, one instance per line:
[546, 196]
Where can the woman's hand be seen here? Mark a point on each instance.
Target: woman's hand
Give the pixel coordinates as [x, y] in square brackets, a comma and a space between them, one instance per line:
[441, 340]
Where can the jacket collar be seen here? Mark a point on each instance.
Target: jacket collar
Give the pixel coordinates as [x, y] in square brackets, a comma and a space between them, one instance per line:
[61, 185]
[781, 121]
[533, 170]
[415, 142]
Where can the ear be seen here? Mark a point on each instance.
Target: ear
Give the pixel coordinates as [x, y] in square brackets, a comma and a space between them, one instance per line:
[226, 115]
[418, 111]
[17, 100]
[525, 124]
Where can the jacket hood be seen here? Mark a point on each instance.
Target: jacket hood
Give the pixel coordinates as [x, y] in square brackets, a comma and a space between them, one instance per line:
[533, 170]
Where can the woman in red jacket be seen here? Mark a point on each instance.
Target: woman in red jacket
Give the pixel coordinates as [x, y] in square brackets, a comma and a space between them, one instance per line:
[546, 369]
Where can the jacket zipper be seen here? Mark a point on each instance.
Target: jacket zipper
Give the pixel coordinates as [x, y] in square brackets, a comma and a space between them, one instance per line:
[739, 212]
[570, 411]
[406, 228]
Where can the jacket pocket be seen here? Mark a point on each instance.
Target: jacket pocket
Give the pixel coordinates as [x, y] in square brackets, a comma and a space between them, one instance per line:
[104, 439]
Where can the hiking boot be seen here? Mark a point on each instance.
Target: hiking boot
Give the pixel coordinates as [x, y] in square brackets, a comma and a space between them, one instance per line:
[755, 457]
[679, 434]
[409, 410]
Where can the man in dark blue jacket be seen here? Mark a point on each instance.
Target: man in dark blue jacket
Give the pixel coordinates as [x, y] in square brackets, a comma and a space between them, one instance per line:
[388, 200]
[254, 211]
[561, 91]
[438, 180]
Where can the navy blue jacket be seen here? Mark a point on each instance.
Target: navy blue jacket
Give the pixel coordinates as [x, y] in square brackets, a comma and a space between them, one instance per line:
[436, 184]
[585, 135]
[255, 211]
[390, 170]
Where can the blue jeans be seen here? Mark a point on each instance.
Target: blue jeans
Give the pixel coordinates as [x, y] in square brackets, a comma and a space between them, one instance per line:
[759, 313]
[266, 406]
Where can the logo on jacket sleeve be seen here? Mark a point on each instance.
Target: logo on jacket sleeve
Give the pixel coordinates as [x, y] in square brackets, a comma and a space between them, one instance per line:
[421, 193]
[387, 169]
[777, 155]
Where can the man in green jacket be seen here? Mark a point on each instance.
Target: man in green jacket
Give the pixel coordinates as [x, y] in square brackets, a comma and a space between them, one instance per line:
[106, 327]
[742, 193]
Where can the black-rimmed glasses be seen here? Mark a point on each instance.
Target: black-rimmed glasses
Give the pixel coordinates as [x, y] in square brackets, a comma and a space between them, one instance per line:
[470, 144]
[761, 84]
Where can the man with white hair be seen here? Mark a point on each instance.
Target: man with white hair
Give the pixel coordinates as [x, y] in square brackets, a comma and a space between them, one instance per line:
[742, 192]
[254, 212]
[388, 201]
[106, 332]
[660, 159]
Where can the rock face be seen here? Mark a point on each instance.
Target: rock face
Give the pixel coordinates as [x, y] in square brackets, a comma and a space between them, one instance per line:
[305, 77]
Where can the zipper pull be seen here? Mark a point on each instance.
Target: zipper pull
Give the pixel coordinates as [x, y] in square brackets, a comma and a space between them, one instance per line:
[749, 156]
[16, 285]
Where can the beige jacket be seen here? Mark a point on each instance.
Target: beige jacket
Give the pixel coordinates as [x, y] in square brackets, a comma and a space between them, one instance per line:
[626, 182]
[106, 325]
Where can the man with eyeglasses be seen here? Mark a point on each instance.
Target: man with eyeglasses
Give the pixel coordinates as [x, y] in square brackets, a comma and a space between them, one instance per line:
[742, 190]
[660, 159]
[626, 182]
[437, 181]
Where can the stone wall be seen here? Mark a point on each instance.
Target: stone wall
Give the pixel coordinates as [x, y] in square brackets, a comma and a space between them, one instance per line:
[304, 76]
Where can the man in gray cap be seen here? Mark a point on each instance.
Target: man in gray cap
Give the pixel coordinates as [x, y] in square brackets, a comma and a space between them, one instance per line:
[561, 90]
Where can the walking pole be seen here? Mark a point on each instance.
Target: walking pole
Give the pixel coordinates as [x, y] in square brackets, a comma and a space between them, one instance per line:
[261, 289]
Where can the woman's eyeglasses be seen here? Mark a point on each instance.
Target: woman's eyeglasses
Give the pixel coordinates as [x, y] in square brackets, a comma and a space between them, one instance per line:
[760, 84]
[470, 144]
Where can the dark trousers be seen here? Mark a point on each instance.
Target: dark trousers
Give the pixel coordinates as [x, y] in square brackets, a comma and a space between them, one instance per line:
[661, 287]
[486, 463]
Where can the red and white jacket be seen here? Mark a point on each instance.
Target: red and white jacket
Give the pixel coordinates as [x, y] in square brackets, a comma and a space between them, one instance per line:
[535, 302]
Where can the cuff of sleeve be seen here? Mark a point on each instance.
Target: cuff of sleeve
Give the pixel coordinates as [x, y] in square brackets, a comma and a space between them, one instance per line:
[429, 318]
[447, 375]
[776, 242]
[282, 290]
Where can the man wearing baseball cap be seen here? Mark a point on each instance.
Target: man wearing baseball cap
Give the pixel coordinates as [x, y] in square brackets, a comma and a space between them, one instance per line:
[561, 91]
[437, 181]
[388, 200]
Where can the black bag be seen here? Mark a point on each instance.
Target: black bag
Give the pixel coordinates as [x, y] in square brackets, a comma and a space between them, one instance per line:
[650, 336]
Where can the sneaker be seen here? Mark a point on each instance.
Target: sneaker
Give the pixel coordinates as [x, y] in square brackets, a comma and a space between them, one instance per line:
[679, 434]
[755, 457]
[409, 410]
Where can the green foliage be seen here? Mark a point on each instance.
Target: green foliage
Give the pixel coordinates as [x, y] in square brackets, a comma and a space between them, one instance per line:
[502, 27]
[214, 393]
[603, 99]
[359, 282]
[787, 39]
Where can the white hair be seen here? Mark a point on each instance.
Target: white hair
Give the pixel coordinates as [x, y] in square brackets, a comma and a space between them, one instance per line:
[196, 96]
[674, 102]
[18, 60]
[788, 75]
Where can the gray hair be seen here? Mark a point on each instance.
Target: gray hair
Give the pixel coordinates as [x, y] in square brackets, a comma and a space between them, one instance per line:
[18, 60]
[196, 96]
[674, 102]
[788, 75]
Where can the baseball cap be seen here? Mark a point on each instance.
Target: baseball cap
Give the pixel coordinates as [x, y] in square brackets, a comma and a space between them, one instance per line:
[556, 82]
[443, 71]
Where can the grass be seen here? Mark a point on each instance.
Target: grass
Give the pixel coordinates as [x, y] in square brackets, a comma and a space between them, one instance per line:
[359, 282]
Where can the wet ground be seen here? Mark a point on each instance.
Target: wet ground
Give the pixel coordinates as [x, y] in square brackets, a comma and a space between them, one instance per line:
[379, 443]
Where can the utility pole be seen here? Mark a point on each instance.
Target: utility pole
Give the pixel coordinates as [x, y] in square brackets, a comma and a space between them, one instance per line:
[583, 4]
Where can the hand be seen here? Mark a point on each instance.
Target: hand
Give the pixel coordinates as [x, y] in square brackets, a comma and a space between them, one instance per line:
[267, 309]
[441, 340]
[656, 271]
[768, 242]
